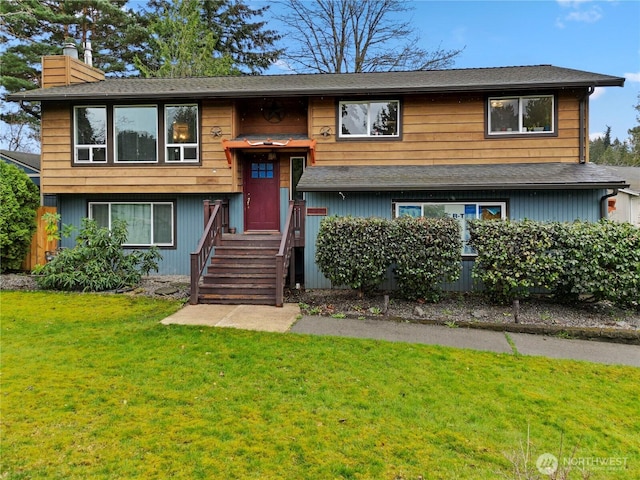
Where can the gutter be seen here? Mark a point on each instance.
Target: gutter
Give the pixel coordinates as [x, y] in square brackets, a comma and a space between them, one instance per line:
[582, 137]
[604, 211]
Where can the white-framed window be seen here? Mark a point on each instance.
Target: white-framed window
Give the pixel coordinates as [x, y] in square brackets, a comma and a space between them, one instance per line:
[181, 126]
[534, 114]
[298, 164]
[90, 134]
[363, 119]
[460, 211]
[148, 223]
[135, 128]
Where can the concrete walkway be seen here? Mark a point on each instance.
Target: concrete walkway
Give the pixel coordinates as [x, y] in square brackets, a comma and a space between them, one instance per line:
[262, 318]
[285, 319]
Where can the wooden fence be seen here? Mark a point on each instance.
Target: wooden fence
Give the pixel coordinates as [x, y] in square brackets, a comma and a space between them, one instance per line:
[39, 242]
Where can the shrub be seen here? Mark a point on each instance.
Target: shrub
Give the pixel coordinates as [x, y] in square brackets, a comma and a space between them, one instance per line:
[19, 201]
[426, 253]
[514, 257]
[601, 260]
[98, 261]
[353, 251]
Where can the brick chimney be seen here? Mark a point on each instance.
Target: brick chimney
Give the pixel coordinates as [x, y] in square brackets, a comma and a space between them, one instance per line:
[65, 70]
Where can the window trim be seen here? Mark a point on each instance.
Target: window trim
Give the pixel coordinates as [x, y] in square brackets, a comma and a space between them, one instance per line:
[503, 204]
[139, 202]
[91, 147]
[161, 144]
[293, 158]
[368, 136]
[520, 132]
[181, 146]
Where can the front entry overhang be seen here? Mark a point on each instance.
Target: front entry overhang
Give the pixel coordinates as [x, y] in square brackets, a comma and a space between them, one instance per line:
[248, 144]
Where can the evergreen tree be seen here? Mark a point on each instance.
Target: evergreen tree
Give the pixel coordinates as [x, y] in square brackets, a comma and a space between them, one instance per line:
[230, 30]
[634, 137]
[33, 28]
[182, 46]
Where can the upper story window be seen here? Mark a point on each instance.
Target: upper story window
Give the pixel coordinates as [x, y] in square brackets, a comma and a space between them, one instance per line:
[135, 129]
[90, 134]
[136, 134]
[521, 115]
[369, 119]
[182, 133]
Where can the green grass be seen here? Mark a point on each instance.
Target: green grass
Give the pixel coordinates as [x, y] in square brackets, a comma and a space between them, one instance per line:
[94, 387]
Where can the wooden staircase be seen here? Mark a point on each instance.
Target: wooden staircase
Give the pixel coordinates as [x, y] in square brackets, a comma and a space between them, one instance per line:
[242, 271]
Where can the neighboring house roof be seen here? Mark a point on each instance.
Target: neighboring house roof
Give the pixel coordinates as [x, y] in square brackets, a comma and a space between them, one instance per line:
[29, 160]
[630, 174]
[459, 177]
[455, 80]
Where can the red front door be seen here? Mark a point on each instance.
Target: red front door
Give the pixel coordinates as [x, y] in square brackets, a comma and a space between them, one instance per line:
[261, 194]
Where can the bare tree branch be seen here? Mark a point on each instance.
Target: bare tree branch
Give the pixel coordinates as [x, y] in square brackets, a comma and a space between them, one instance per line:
[341, 36]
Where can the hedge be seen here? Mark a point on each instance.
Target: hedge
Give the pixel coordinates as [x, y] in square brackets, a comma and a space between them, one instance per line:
[357, 252]
[426, 253]
[600, 260]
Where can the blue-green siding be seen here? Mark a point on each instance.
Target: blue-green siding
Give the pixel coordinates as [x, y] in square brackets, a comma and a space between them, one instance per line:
[536, 205]
[189, 218]
[551, 205]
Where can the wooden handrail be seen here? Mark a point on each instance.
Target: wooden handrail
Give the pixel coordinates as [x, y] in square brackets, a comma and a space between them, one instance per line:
[292, 236]
[214, 223]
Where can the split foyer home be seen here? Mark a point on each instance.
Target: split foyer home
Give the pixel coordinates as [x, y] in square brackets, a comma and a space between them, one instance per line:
[231, 176]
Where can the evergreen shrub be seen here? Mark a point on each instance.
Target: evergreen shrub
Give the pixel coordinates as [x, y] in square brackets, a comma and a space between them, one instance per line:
[357, 252]
[426, 252]
[98, 261]
[19, 201]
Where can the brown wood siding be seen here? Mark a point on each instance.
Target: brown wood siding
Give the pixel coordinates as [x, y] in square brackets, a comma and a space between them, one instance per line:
[446, 129]
[436, 130]
[62, 70]
[213, 176]
[253, 114]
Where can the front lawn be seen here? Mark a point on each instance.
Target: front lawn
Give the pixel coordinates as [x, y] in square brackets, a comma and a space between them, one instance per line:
[94, 387]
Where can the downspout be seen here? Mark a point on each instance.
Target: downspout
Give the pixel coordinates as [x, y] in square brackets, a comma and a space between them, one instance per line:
[604, 207]
[582, 137]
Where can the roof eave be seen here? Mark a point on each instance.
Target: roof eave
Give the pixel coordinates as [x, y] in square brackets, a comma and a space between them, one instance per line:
[27, 96]
[460, 187]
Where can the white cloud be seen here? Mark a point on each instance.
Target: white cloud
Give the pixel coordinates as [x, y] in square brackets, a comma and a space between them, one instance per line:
[580, 11]
[591, 15]
[632, 77]
[280, 66]
[595, 135]
[597, 93]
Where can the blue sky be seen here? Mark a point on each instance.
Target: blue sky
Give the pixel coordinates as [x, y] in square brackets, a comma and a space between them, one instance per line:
[595, 36]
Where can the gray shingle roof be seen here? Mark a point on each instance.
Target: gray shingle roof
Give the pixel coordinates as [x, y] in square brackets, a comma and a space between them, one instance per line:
[630, 174]
[31, 160]
[528, 176]
[455, 80]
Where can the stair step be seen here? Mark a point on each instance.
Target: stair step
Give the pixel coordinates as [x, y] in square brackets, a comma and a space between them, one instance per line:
[241, 270]
[238, 289]
[235, 278]
[244, 251]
